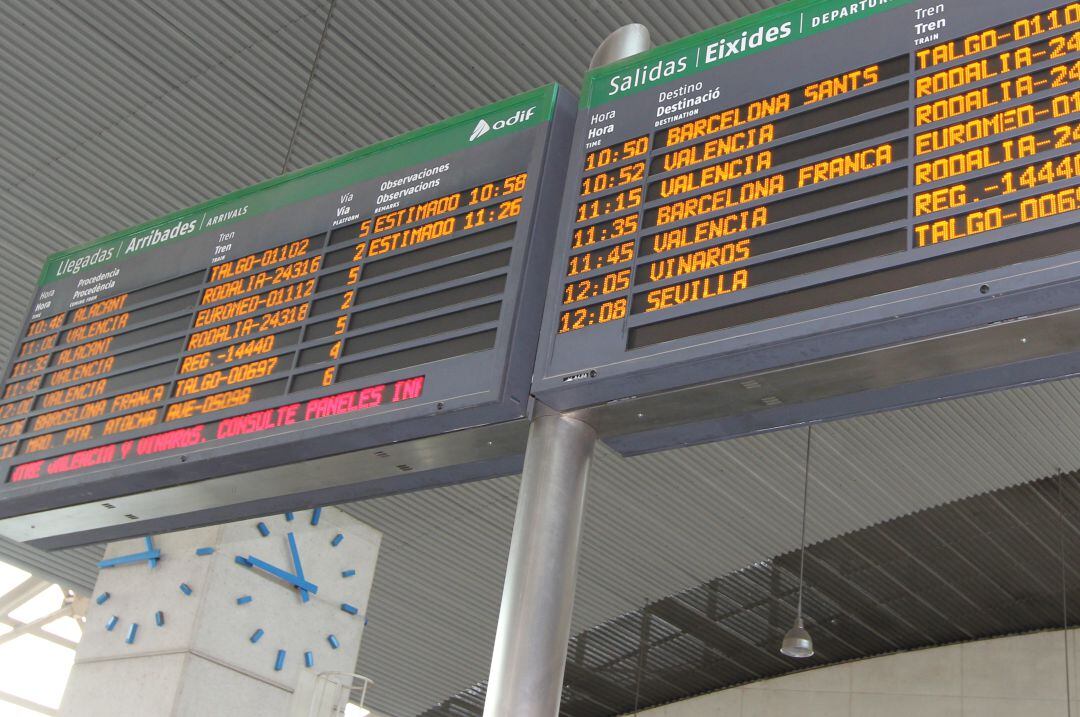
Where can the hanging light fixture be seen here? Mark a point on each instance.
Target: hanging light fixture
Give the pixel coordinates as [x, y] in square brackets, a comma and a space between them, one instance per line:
[797, 642]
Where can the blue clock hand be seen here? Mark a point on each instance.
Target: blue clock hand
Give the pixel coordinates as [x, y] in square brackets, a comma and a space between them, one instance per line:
[282, 575]
[150, 549]
[304, 595]
[150, 555]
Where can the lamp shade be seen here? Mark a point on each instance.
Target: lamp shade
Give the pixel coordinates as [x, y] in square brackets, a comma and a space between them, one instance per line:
[797, 642]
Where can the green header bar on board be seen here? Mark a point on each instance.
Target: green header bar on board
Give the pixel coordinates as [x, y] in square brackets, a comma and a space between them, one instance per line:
[407, 150]
[726, 43]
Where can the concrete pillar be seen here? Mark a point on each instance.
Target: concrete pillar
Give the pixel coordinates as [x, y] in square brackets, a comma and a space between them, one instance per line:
[214, 621]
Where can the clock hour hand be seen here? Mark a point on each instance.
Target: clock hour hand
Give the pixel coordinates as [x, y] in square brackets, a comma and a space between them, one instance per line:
[151, 555]
[282, 575]
[150, 549]
[304, 594]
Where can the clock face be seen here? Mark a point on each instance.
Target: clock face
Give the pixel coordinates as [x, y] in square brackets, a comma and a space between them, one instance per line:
[276, 596]
[148, 558]
[303, 567]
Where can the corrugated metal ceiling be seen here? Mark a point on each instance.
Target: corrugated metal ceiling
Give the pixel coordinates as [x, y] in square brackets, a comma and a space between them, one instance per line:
[994, 564]
[659, 524]
[115, 113]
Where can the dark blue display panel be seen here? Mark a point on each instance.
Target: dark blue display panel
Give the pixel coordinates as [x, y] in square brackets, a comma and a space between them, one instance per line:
[386, 296]
[813, 182]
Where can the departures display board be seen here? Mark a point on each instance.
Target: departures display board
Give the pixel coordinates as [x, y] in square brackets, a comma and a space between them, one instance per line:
[741, 198]
[385, 295]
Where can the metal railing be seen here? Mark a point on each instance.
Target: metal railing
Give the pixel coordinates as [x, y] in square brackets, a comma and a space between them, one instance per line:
[332, 692]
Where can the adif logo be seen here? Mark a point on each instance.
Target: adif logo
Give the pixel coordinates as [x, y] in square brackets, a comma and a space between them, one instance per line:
[482, 127]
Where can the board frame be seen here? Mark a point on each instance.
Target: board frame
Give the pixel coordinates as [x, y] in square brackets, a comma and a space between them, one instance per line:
[403, 448]
[681, 392]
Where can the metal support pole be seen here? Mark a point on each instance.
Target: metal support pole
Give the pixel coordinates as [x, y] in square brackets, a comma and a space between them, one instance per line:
[627, 41]
[538, 595]
[527, 665]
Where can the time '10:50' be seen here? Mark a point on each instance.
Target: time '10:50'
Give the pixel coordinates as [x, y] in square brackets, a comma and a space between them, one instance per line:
[610, 155]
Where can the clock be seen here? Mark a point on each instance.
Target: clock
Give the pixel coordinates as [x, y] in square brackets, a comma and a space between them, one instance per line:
[299, 570]
[277, 597]
[146, 559]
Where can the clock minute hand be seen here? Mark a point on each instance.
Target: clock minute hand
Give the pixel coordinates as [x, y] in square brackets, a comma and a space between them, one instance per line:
[282, 575]
[133, 558]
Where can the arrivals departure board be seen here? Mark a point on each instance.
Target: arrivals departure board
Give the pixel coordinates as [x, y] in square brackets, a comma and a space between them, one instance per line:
[820, 166]
[381, 296]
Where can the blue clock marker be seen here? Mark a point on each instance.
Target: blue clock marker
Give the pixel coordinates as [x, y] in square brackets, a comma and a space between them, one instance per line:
[204, 551]
[130, 639]
[256, 636]
[309, 659]
[159, 618]
[280, 661]
[185, 588]
[288, 516]
[333, 641]
[351, 609]
[103, 598]
[263, 529]
[243, 600]
[315, 515]
[337, 540]
[111, 623]
[347, 573]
